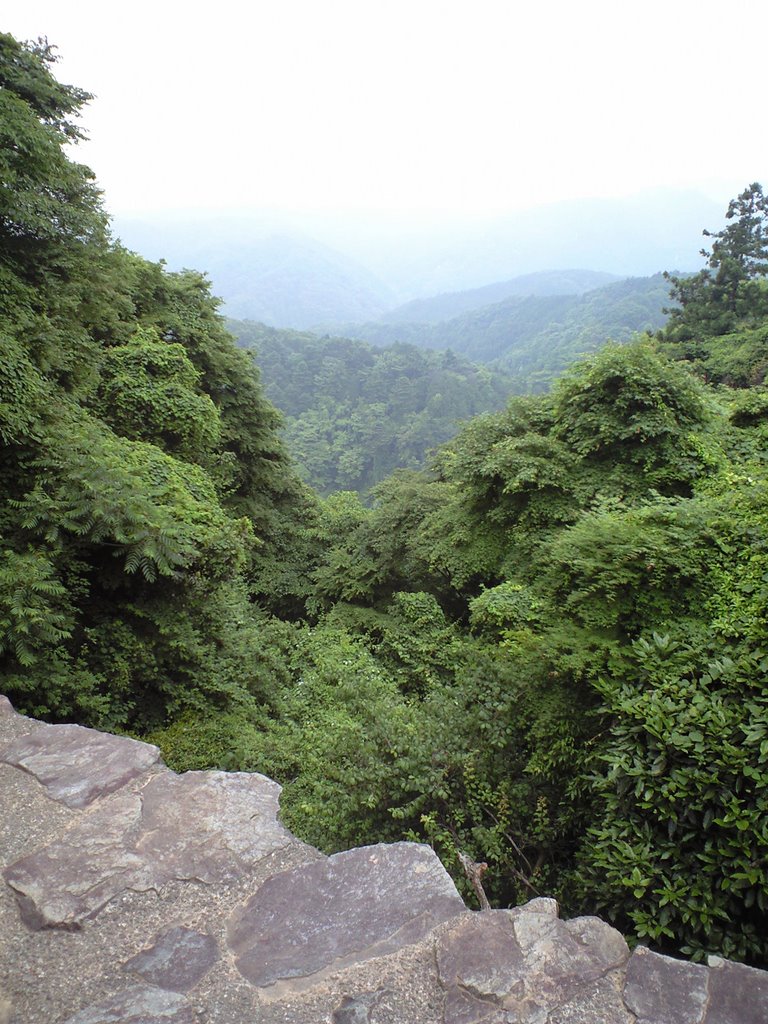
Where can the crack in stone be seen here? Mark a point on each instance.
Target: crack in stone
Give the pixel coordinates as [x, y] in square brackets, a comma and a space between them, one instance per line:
[489, 998]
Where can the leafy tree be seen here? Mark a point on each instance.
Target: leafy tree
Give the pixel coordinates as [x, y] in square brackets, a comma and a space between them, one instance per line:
[728, 291]
[145, 497]
[148, 391]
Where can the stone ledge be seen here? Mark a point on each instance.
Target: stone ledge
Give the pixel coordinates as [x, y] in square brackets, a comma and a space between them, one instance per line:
[183, 900]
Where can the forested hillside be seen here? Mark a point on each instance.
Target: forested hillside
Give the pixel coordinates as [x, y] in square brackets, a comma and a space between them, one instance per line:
[354, 413]
[536, 337]
[437, 308]
[547, 652]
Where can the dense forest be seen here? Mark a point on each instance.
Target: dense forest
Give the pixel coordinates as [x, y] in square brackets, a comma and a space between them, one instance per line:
[547, 651]
[354, 413]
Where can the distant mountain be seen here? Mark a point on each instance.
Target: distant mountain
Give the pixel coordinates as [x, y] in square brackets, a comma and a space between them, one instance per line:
[437, 308]
[283, 280]
[536, 337]
[305, 270]
[630, 236]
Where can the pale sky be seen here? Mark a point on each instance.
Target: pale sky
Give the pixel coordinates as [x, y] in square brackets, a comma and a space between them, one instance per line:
[468, 107]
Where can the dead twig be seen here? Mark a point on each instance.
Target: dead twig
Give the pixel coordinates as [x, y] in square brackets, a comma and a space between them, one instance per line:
[474, 872]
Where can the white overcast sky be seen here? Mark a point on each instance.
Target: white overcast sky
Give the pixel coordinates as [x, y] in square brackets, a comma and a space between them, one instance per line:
[467, 107]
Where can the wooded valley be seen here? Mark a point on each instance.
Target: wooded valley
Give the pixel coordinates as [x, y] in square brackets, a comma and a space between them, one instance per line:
[545, 648]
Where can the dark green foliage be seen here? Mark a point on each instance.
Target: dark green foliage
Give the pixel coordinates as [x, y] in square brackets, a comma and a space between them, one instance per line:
[46, 201]
[355, 413]
[678, 856]
[134, 440]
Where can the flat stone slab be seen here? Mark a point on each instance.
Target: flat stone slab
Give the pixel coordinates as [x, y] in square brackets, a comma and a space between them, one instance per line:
[341, 911]
[90, 821]
[138, 1005]
[737, 994]
[524, 964]
[658, 988]
[177, 960]
[208, 827]
[599, 1002]
[77, 765]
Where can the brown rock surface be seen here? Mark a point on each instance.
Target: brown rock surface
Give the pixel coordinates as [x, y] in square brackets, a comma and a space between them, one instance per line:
[346, 909]
[78, 765]
[177, 959]
[524, 964]
[138, 1006]
[203, 826]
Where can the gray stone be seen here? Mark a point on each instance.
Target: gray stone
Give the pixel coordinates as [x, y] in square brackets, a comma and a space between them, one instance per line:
[602, 943]
[542, 905]
[74, 877]
[658, 989]
[479, 963]
[482, 955]
[209, 827]
[77, 765]
[597, 1003]
[356, 1009]
[161, 849]
[177, 959]
[524, 962]
[138, 1005]
[737, 995]
[346, 909]
[6, 1009]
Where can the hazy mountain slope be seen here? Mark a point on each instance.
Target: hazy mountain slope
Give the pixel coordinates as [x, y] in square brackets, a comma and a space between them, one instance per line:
[283, 279]
[538, 335]
[629, 236]
[305, 270]
[614, 313]
[437, 308]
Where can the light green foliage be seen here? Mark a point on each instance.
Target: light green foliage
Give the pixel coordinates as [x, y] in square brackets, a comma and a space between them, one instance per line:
[411, 638]
[126, 495]
[147, 391]
[629, 406]
[380, 551]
